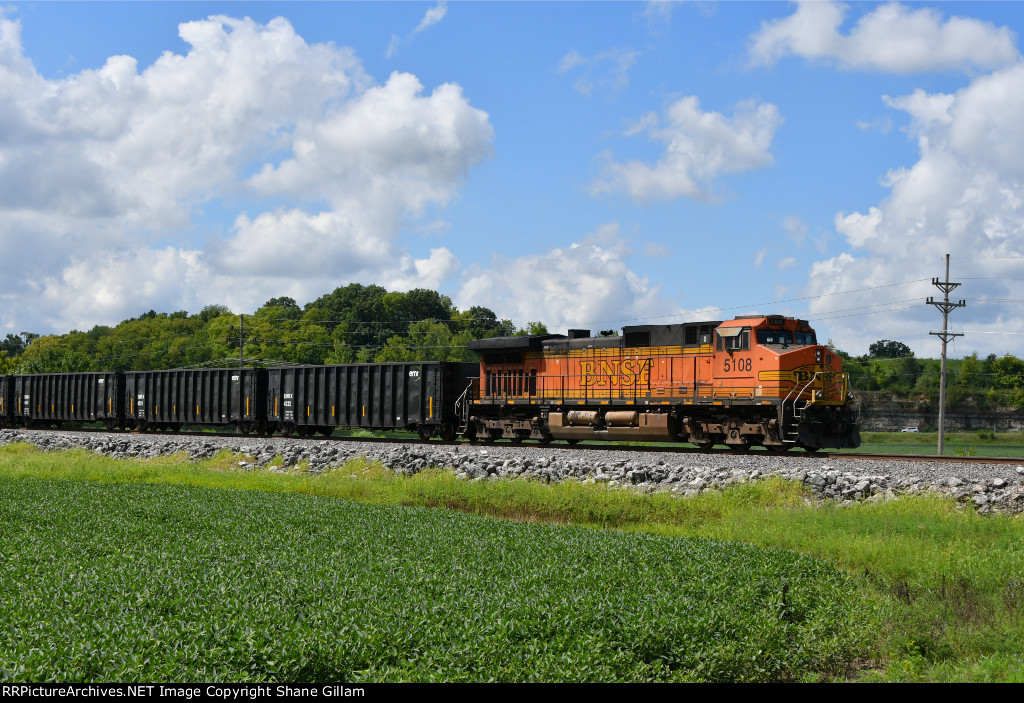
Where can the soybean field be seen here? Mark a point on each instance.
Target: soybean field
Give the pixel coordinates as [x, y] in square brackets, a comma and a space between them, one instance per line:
[150, 582]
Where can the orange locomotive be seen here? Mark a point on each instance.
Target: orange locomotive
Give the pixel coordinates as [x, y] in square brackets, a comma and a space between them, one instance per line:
[751, 380]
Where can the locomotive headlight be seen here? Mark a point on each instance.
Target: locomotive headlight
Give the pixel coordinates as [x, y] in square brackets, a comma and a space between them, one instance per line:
[817, 356]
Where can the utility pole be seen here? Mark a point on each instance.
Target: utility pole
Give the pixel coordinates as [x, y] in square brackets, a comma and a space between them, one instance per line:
[945, 335]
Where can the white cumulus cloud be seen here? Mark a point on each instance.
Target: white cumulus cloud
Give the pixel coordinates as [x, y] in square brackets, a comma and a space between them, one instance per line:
[698, 147]
[105, 175]
[963, 196]
[892, 38]
[588, 282]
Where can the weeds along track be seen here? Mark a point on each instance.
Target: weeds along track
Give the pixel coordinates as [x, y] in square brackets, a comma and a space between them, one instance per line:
[991, 485]
[796, 454]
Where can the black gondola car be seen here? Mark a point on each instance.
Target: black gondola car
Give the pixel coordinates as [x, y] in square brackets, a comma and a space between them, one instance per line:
[169, 399]
[6, 400]
[422, 397]
[54, 398]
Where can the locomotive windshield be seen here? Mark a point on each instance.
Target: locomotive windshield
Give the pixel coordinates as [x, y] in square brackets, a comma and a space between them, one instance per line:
[785, 337]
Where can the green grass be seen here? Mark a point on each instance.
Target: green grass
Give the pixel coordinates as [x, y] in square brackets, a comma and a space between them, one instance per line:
[137, 582]
[950, 582]
[975, 443]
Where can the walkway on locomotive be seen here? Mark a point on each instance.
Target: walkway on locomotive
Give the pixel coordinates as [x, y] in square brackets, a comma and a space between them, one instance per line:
[748, 360]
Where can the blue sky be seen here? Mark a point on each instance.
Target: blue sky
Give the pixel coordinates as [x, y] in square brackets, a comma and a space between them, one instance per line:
[581, 164]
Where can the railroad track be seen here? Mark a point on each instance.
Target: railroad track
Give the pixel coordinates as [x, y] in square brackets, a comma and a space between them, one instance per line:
[796, 454]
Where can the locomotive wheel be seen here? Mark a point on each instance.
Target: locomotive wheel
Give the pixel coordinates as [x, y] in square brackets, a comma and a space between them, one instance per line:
[739, 448]
[775, 449]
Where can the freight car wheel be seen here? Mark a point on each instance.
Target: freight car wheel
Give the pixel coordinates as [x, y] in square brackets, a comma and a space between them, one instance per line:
[447, 432]
[775, 449]
[704, 446]
[424, 432]
[572, 441]
[811, 450]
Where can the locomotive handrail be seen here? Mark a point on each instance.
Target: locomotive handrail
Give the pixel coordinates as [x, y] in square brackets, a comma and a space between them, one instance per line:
[844, 378]
[461, 400]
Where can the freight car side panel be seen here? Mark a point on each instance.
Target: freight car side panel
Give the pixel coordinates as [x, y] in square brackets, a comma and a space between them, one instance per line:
[6, 400]
[67, 397]
[372, 396]
[195, 396]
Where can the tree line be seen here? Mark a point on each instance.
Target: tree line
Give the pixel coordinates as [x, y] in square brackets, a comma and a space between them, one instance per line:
[354, 323]
[358, 323]
[892, 367]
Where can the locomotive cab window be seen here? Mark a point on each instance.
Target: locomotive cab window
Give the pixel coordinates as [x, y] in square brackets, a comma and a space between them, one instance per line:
[774, 337]
[733, 339]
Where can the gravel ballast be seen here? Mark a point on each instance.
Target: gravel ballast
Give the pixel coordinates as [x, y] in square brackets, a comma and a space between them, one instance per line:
[987, 487]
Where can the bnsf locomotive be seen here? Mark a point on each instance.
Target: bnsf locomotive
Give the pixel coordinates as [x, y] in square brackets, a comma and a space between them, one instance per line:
[750, 381]
[761, 380]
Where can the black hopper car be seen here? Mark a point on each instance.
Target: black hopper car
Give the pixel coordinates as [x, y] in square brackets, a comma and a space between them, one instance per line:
[422, 397]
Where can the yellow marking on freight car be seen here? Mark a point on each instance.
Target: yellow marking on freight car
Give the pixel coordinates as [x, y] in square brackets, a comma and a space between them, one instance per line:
[431, 408]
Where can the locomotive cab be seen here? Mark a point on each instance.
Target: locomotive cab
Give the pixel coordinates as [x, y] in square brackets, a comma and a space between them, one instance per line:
[790, 371]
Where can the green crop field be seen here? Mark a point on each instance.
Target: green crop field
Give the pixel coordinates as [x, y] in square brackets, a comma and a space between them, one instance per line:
[137, 582]
[135, 570]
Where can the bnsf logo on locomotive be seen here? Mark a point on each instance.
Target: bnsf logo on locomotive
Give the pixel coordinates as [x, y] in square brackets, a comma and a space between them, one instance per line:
[615, 372]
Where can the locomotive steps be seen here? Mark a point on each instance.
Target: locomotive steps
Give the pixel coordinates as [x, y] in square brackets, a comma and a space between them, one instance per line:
[988, 487]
